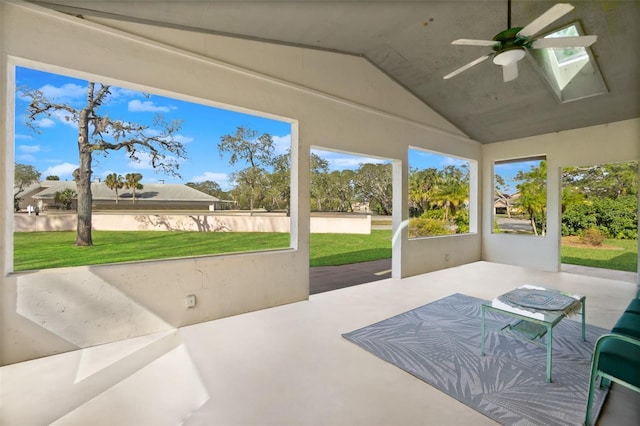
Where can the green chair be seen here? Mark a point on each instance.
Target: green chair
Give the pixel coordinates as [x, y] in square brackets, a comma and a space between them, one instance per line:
[616, 356]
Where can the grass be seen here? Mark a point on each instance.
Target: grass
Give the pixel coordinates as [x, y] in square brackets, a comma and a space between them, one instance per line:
[343, 249]
[624, 258]
[42, 250]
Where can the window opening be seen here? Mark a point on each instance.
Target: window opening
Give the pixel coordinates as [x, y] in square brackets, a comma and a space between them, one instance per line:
[168, 177]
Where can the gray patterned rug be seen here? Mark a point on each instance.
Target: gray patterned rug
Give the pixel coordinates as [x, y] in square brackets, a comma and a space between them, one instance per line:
[440, 344]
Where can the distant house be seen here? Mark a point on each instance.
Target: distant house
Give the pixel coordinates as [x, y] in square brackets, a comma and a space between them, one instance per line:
[153, 196]
[504, 202]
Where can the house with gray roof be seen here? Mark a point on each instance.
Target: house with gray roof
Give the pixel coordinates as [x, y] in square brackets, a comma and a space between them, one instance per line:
[153, 196]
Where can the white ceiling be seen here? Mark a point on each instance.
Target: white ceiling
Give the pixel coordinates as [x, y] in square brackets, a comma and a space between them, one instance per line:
[410, 42]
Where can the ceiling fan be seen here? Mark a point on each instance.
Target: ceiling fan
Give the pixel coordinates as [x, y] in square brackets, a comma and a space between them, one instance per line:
[510, 45]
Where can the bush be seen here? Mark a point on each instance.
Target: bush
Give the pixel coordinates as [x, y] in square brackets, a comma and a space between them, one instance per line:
[617, 218]
[461, 219]
[427, 228]
[592, 236]
[437, 214]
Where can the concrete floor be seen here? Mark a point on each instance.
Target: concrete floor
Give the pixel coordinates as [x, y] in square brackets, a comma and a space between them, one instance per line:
[282, 366]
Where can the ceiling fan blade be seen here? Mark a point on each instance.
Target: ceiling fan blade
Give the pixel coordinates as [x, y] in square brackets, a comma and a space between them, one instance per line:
[472, 42]
[466, 67]
[510, 72]
[544, 20]
[560, 42]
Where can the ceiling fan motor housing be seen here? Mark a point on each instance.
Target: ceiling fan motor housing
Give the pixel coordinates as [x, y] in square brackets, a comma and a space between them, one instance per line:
[509, 39]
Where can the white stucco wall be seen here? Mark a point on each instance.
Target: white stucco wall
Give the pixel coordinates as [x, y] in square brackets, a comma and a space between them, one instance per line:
[196, 222]
[333, 101]
[608, 143]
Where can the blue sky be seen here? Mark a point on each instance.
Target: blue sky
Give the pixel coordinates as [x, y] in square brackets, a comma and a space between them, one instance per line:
[53, 151]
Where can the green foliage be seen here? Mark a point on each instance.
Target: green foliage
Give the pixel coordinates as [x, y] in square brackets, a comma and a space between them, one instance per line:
[23, 176]
[428, 228]
[52, 177]
[617, 218]
[208, 187]
[437, 213]
[64, 199]
[445, 190]
[373, 184]
[257, 153]
[592, 236]
[114, 182]
[533, 195]
[461, 219]
[132, 182]
[603, 181]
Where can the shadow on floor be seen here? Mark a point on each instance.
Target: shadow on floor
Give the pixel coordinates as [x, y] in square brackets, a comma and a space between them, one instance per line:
[327, 278]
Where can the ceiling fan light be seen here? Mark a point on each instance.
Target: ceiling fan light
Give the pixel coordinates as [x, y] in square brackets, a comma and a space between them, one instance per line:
[509, 57]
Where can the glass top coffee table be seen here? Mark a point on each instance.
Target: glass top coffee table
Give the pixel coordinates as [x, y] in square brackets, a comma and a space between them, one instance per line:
[537, 310]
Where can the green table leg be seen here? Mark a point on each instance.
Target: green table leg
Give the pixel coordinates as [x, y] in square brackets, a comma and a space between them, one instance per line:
[549, 350]
[584, 299]
[482, 327]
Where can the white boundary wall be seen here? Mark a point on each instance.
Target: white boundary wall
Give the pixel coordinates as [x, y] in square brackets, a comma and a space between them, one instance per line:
[195, 222]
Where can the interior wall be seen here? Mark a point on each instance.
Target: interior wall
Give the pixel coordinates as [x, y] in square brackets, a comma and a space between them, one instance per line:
[335, 101]
[608, 143]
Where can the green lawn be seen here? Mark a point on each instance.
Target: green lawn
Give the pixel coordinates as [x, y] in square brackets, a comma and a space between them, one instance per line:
[41, 250]
[623, 259]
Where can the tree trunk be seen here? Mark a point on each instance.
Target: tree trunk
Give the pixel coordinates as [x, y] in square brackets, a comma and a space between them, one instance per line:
[533, 223]
[82, 177]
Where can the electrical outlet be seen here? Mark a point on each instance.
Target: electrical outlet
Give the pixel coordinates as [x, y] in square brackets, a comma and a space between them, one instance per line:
[191, 301]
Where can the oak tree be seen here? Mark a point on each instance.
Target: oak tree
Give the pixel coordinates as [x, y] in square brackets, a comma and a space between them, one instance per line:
[99, 133]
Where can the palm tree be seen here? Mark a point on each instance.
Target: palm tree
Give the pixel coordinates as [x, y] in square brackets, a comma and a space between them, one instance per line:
[65, 198]
[132, 182]
[423, 185]
[533, 195]
[114, 182]
[453, 190]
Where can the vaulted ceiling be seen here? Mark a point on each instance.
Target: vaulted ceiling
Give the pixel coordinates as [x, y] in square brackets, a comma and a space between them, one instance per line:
[410, 42]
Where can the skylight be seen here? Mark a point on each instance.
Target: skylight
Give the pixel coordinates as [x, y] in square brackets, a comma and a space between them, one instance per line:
[571, 72]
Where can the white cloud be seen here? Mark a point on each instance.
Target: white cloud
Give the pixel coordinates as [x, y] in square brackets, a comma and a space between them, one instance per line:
[44, 122]
[143, 163]
[221, 179]
[351, 163]
[118, 93]
[67, 93]
[28, 158]
[136, 105]
[182, 139]
[452, 161]
[65, 117]
[64, 169]
[19, 136]
[29, 148]
[282, 144]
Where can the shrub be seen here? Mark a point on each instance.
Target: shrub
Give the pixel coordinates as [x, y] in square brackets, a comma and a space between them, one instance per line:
[592, 236]
[617, 218]
[437, 214]
[427, 228]
[461, 219]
